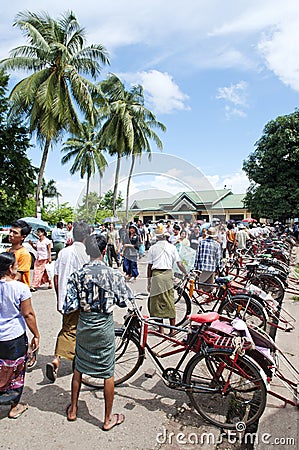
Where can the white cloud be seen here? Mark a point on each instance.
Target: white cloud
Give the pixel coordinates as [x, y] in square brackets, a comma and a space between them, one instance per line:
[237, 182]
[235, 97]
[281, 52]
[186, 37]
[161, 91]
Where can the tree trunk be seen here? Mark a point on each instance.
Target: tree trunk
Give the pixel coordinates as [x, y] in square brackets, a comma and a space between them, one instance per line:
[116, 183]
[40, 177]
[87, 191]
[128, 185]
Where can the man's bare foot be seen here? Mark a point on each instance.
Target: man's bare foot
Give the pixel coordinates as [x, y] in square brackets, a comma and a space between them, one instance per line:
[71, 413]
[17, 410]
[116, 419]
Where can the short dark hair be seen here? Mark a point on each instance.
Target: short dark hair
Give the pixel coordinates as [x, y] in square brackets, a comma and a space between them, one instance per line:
[7, 259]
[59, 225]
[95, 245]
[81, 230]
[176, 227]
[42, 230]
[24, 226]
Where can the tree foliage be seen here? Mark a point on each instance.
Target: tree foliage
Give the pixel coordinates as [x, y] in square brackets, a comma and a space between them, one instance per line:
[84, 148]
[106, 202]
[49, 190]
[99, 208]
[52, 96]
[128, 125]
[17, 175]
[273, 170]
[52, 213]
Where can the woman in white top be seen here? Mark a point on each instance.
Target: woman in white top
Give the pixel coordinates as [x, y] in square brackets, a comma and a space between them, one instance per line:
[15, 313]
[43, 248]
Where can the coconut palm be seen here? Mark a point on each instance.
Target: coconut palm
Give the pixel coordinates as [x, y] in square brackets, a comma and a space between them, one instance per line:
[127, 124]
[143, 121]
[88, 156]
[49, 190]
[53, 95]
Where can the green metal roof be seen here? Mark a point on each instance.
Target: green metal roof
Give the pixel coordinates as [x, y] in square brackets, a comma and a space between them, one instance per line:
[231, 201]
[196, 197]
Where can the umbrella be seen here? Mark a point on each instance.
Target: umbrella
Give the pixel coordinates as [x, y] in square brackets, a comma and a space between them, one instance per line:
[37, 223]
[205, 225]
[249, 220]
[110, 220]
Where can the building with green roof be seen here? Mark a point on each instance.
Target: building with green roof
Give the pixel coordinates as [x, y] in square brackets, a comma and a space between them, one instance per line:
[192, 206]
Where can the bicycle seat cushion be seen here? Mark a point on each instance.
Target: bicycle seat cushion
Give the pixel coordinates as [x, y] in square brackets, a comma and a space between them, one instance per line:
[208, 317]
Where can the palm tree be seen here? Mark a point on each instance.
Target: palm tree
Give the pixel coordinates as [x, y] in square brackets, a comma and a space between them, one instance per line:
[49, 190]
[128, 125]
[143, 122]
[51, 97]
[116, 134]
[85, 149]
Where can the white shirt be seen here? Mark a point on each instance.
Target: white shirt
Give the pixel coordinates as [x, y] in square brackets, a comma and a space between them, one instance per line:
[162, 255]
[42, 249]
[12, 322]
[69, 260]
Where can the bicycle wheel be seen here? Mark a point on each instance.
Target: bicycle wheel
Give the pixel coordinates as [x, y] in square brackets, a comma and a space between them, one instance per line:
[128, 358]
[249, 309]
[225, 392]
[270, 283]
[182, 305]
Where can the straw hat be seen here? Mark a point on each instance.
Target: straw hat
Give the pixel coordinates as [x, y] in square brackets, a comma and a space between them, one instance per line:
[212, 232]
[160, 230]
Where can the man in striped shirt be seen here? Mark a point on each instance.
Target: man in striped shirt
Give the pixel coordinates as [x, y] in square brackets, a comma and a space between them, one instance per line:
[208, 258]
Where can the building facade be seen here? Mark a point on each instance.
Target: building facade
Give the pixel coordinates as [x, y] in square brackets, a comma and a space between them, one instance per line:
[192, 206]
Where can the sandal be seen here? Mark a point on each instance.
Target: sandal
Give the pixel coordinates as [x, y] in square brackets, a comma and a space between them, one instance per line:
[32, 289]
[119, 419]
[51, 372]
[20, 409]
[31, 361]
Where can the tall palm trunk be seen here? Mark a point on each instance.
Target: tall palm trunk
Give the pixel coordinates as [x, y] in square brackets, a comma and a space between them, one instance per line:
[128, 184]
[40, 176]
[117, 170]
[87, 190]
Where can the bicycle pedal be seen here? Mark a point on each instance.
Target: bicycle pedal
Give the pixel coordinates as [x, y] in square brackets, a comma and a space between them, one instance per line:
[149, 373]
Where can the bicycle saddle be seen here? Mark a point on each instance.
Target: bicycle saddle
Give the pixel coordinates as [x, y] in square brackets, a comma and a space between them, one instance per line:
[207, 317]
[224, 280]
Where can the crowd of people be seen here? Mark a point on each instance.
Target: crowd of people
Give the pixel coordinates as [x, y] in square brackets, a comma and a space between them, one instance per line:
[88, 284]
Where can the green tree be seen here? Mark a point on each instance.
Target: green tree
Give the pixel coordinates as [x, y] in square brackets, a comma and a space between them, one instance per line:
[143, 122]
[17, 175]
[88, 214]
[106, 202]
[52, 96]
[88, 156]
[49, 190]
[52, 213]
[128, 126]
[273, 170]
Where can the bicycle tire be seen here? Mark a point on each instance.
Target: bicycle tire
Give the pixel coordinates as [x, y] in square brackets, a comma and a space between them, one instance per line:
[245, 399]
[129, 356]
[182, 303]
[271, 284]
[252, 311]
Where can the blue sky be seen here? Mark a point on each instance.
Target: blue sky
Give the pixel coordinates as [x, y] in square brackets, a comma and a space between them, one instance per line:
[214, 73]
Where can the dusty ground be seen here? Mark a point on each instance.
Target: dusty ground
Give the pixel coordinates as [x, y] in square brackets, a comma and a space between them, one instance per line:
[155, 414]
